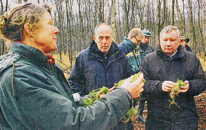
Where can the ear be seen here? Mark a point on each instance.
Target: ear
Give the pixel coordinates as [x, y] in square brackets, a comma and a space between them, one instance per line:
[94, 37]
[180, 41]
[112, 36]
[28, 30]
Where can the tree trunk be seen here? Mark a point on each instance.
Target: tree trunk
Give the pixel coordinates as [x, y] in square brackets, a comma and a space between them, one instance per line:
[114, 19]
[183, 8]
[192, 25]
[202, 44]
[173, 12]
[126, 8]
[180, 16]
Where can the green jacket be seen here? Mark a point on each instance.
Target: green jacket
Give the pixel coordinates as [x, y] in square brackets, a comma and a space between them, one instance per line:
[130, 49]
[35, 95]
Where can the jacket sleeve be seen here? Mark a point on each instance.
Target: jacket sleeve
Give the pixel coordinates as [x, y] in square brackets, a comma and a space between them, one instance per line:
[37, 104]
[198, 82]
[151, 87]
[77, 78]
[128, 69]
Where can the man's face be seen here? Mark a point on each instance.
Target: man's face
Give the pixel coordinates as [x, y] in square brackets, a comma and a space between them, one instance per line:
[136, 39]
[169, 42]
[145, 39]
[103, 38]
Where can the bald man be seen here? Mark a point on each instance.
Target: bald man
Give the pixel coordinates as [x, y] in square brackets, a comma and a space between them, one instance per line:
[102, 64]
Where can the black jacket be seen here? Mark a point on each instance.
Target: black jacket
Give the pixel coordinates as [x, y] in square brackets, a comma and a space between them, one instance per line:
[93, 69]
[159, 67]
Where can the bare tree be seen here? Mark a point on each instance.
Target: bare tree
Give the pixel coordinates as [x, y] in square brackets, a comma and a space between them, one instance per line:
[114, 19]
[193, 35]
[180, 16]
[127, 10]
[173, 12]
[202, 44]
[161, 20]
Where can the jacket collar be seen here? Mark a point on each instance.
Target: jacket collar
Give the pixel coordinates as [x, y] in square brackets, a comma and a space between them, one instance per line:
[95, 53]
[188, 48]
[180, 54]
[129, 43]
[28, 52]
[143, 46]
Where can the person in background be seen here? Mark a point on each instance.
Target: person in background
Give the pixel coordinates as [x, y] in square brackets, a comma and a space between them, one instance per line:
[34, 93]
[129, 47]
[102, 64]
[144, 49]
[161, 69]
[184, 41]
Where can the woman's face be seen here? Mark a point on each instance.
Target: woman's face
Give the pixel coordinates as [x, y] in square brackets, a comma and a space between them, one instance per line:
[45, 36]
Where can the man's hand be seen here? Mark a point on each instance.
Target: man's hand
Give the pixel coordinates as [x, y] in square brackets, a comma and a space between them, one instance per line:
[184, 89]
[167, 86]
[136, 87]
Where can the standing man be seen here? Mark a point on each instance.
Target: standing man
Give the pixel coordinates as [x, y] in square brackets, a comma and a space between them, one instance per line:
[184, 41]
[144, 49]
[102, 64]
[130, 47]
[161, 69]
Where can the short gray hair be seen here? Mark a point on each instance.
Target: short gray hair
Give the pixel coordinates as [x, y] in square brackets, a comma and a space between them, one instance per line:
[168, 29]
[95, 30]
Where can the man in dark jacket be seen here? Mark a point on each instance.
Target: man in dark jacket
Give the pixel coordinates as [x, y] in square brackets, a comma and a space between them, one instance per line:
[102, 64]
[161, 69]
[144, 49]
[184, 41]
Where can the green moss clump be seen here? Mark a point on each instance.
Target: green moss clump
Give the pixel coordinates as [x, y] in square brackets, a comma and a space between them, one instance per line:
[96, 95]
[175, 91]
[99, 93]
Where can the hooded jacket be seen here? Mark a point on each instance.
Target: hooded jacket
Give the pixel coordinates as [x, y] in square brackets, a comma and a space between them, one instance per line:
[130, 49]
[35, 95]
[159, 67]
[93, 69]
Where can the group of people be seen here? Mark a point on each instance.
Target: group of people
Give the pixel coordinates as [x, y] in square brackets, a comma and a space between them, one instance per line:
[34, 94]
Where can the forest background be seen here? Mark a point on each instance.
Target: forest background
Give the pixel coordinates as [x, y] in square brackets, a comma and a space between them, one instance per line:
[76, 20]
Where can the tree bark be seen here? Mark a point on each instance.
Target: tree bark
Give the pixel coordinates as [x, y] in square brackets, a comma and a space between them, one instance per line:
[114, 19]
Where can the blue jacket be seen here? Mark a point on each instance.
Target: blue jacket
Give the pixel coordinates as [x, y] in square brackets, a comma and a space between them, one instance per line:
[34, 95]
[93, 69]
[130, 49]
[159, 67]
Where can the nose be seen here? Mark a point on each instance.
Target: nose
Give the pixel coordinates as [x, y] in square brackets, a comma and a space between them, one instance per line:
[56, 30]
[104, 40]
[168, 43]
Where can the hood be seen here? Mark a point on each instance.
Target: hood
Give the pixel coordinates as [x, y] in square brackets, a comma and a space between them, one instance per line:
[94, 52]
[179, 55]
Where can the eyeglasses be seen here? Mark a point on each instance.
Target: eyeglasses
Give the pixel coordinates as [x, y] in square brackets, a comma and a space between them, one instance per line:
[138, 41]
